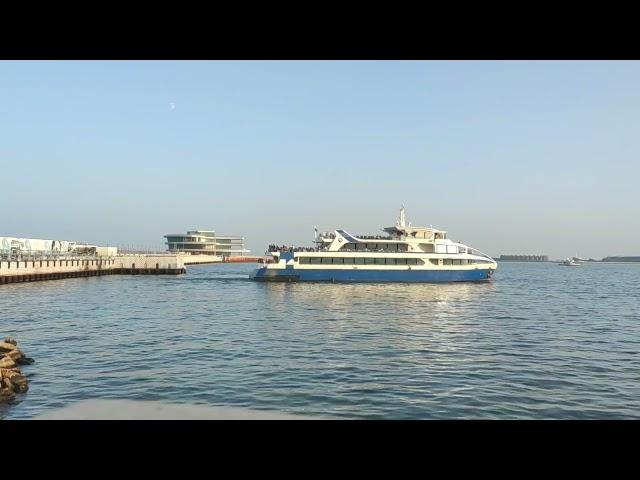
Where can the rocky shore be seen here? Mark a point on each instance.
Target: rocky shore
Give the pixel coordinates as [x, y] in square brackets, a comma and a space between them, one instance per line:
[12, 381]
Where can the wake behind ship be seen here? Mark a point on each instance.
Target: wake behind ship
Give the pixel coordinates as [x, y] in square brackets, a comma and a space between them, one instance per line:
[405, 254]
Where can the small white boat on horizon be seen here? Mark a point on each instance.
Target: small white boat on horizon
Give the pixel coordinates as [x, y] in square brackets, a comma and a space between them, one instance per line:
[569, 262]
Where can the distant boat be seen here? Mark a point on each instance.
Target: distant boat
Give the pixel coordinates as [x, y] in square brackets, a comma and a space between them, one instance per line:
[569, 262]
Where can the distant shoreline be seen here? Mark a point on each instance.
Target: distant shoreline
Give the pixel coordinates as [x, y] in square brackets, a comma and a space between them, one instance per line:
[595, 262]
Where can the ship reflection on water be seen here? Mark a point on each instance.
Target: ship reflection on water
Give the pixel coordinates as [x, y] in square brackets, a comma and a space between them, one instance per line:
[411, 305]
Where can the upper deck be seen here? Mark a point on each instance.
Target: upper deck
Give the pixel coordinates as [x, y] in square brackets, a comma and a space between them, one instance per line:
[401, 239]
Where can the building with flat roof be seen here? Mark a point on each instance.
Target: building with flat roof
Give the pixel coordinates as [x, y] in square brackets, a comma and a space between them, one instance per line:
[621, 259]
[206, 242]
[524, 258]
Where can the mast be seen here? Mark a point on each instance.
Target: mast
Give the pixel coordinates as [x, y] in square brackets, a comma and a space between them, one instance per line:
[402, 220]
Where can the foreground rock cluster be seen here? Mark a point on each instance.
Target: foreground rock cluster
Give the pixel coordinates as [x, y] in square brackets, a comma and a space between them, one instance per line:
[11, 379]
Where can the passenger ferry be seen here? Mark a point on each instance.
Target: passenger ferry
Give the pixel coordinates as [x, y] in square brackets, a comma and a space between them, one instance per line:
[405, 254]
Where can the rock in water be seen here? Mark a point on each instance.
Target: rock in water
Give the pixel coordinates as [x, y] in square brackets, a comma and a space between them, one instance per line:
[9, 372]
[11, 379]
[6, 362]
[20, 384]
[7, 347]
[6, 383]
[14, 354]
[6, 395]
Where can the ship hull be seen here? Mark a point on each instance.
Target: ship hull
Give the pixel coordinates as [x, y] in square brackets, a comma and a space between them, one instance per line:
[399, 276]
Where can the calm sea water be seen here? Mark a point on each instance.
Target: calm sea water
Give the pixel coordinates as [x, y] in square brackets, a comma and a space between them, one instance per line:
[540, 342]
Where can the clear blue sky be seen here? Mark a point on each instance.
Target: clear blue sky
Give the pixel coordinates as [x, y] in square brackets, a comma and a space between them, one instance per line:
[510, 157]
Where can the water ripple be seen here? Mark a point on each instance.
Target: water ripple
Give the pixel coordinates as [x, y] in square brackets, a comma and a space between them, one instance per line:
[539, 342]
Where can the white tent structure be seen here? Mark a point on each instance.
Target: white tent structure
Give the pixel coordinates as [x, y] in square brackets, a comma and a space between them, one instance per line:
[35, 246]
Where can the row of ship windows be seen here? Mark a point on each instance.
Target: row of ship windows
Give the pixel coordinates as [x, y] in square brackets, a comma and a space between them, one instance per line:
[382, 261]
[359, 261]
[448, 261]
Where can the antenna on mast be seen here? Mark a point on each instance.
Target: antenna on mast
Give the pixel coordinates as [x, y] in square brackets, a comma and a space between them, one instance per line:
[402, 220]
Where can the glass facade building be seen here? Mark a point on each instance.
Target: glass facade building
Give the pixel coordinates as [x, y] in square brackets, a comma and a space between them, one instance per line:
[206, 242]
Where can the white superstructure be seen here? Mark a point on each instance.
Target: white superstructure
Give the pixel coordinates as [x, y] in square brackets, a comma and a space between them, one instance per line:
[206, 242]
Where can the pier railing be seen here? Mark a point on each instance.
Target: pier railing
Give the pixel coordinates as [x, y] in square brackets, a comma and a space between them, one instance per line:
[37, 256]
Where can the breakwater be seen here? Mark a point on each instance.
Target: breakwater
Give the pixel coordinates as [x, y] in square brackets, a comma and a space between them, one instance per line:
[37, 269]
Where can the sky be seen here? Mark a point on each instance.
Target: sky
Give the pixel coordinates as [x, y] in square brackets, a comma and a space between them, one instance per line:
[510, 157]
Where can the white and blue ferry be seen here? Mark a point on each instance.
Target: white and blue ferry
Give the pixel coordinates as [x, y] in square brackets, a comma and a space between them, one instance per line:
[405, 254]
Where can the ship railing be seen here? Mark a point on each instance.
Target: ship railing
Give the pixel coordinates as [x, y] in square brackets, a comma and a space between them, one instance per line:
[478, 253]
[374, 237]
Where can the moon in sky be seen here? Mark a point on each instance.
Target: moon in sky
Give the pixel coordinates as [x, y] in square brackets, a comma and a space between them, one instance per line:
[172, 106]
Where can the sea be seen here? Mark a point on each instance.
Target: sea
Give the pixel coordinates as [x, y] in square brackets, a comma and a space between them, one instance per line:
[541, 341]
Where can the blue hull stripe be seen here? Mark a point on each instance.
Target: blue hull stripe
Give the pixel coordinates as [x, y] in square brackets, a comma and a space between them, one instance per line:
[427, 276]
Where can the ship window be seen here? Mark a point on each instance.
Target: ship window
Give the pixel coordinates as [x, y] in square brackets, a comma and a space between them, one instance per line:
[338, 260]
[359, 261]
[295, 259]
[369, 261]
[380, 261]
[348, 261]
[447, 261]
[434, 261]
[326, 260]
[401, 261]
[315, 260]
[477, 261]
[304, 260]
[462, 250]
[412, 261]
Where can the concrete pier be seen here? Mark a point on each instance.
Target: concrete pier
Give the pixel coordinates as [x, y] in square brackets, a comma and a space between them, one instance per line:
[189, 259]
[37, 269]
